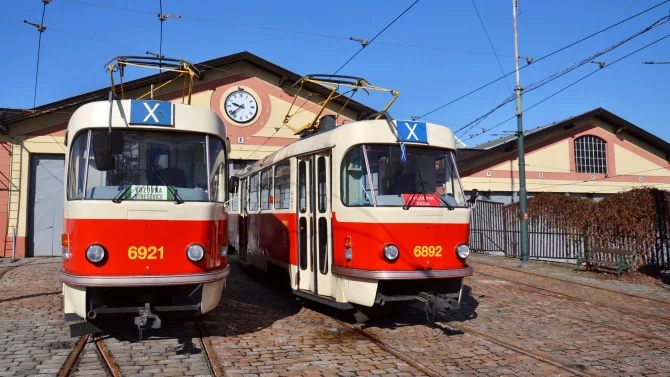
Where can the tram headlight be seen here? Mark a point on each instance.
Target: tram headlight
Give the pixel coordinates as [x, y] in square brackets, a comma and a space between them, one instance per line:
[463, 250]
[391, 252]
[195, 253]
[95, 253]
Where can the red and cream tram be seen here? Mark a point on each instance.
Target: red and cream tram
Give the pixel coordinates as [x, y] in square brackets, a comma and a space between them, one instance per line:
[360, 214]
[145, 223]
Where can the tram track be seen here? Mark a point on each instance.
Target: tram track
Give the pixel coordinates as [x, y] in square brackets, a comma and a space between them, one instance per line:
[104, 356]
[513, 304]
[108, 364]
[453, 327]
[573, 282]
[552, 293]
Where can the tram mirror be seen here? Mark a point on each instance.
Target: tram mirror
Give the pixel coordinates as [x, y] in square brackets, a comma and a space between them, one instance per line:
[473, 196]
[396, 164]
[105, 146]
[233, 183]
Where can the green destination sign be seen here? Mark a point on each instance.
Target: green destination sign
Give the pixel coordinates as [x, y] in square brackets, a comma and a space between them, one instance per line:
[145, 192]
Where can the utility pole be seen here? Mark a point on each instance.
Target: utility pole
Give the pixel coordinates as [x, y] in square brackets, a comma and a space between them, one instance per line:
[523, 195]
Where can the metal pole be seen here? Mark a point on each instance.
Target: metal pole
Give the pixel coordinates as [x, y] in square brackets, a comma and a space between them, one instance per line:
[523, 196]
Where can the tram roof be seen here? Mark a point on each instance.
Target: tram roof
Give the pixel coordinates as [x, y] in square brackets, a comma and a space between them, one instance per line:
[350, 134]
[185, 118]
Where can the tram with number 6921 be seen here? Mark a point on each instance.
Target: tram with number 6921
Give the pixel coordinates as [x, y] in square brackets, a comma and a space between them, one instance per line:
[361, 215]
[145, 223]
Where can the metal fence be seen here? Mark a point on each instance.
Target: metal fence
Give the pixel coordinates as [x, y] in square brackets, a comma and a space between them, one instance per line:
[487, 231]
[495, 228]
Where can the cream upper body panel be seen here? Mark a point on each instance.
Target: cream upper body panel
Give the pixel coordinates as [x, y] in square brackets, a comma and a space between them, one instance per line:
[355, 133]
[185, 118]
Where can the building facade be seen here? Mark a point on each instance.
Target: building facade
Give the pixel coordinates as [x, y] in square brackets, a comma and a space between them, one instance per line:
[592, 155]
[32, 153]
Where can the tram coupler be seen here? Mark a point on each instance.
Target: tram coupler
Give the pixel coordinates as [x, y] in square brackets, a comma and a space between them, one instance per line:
[438, 303]
[147, 320]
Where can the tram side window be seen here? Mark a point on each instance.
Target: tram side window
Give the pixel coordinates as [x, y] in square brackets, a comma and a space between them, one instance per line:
[321, 177]
[253, 193]
[265, 188]
[217, 178]
[302, 186]
[283, 185]
[355, 187]
[75, 176]
[323, 245]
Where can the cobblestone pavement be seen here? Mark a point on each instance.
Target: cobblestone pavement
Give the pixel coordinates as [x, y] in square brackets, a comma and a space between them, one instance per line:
[511, 324]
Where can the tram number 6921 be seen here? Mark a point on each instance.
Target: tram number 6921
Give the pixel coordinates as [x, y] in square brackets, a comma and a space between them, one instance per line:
[427, 251]
[151, 252]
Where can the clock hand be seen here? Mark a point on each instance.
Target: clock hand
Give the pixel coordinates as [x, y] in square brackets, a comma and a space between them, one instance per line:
[238, 109]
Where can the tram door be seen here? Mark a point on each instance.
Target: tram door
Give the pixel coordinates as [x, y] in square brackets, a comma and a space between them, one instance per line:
[314, 224]
[242, 230]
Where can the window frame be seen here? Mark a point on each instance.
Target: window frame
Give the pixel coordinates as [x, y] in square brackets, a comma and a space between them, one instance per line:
[590, 155]
[287, 186]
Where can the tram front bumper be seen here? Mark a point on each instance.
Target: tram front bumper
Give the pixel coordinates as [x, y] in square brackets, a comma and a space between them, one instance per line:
[87, 296]
[142, 280]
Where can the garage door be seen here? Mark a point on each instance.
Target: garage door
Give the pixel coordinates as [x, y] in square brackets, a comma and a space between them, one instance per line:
[46, 205]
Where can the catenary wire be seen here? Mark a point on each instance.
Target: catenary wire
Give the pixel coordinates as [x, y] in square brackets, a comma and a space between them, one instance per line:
[39, 49]
[556, 75]
[269, 28]
[378, 34]
[542, 58]
[502, 70]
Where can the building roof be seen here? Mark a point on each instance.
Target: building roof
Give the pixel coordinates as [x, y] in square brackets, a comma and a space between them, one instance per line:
[620, 124]
[245, 56]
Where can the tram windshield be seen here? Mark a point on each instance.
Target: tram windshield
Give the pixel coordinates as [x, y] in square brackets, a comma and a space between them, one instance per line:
[374, 175]
[147, 165]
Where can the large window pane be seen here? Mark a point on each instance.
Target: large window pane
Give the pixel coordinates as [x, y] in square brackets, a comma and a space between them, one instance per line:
[323, 245]
[253, 193]
[283, 185]
[427, 178]
[265, 188]
[590, 155]
[152, 165]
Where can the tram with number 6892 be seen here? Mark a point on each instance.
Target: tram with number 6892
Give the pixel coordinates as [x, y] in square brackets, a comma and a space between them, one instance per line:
[361, 215]
[145, 223]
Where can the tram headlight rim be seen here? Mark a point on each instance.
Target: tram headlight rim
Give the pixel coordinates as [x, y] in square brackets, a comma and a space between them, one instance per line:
[92, 247]
[463, 251]
[388, 249]
[202, 252]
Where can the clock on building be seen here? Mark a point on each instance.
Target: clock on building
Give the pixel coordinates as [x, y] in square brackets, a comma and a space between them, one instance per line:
[241, 106]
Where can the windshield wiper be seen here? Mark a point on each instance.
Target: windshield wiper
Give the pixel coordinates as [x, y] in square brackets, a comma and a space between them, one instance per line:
[423, 184]
[418, 171]
[122, 195]
[175, 196]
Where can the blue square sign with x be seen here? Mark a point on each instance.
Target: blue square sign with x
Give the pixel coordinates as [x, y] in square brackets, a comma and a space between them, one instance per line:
[152, 113]
[412, 132]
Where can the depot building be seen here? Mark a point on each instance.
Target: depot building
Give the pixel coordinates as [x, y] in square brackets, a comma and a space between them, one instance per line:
[33, 151]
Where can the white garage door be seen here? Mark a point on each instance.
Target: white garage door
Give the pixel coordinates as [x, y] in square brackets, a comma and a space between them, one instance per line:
[46, 205]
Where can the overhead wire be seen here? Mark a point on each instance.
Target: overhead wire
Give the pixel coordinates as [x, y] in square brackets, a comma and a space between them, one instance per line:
[378, 34]
[542, 58]
[39, 49]
[547, 79]
[282, 30]
[277, 129]
[502, 70]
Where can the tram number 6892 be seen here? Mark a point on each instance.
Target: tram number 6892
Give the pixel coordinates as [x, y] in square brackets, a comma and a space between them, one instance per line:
[428, 251]
[143, 252]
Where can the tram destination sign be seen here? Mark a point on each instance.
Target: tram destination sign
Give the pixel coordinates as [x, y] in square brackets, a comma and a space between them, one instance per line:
[151, 113]
[145, 192]
[412, 132]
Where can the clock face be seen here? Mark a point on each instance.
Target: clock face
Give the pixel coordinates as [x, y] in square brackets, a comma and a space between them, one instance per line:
[241, 106]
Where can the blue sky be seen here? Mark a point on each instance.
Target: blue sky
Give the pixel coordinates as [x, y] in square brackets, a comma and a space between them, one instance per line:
[426, 78]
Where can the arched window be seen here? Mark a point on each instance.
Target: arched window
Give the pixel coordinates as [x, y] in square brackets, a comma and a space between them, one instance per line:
[590, 155]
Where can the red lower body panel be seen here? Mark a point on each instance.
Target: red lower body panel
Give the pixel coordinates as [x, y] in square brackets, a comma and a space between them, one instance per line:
[436, 245]
[144, 247]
